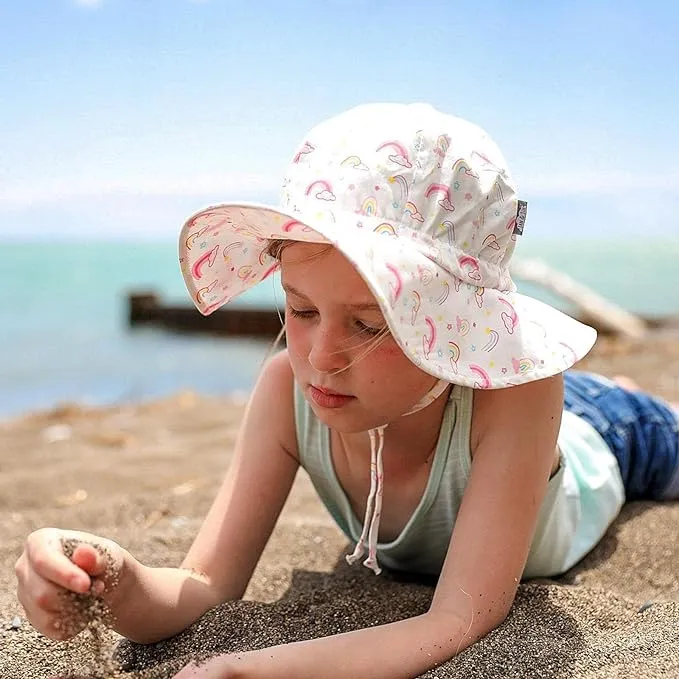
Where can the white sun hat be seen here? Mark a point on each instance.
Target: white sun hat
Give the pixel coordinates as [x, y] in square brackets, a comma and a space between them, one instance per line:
[423, 206]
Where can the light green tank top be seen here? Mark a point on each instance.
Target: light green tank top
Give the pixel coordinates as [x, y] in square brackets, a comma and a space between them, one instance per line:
[583, 497]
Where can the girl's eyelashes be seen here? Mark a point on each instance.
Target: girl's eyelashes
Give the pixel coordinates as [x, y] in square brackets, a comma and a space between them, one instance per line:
[296, 313]
[361, 327]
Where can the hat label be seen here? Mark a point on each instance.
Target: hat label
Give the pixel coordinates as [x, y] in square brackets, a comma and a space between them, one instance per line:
[521, 210]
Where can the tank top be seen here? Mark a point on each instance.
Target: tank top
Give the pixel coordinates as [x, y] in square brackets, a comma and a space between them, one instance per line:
[583, 497]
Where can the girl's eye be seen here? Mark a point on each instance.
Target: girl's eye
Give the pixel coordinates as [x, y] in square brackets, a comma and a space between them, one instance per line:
[296, 313]
[310, 313]
[368, 329]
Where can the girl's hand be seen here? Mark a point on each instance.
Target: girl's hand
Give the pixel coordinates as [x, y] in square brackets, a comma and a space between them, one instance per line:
[219, 667]
[47, 578]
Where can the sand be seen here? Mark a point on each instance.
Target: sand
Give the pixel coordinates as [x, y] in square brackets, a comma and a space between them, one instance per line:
[145, 474]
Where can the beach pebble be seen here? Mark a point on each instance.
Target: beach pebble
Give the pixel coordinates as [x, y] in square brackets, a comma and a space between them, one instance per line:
[16, 622]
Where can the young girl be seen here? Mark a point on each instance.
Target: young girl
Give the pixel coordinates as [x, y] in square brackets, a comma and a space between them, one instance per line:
[425, 398]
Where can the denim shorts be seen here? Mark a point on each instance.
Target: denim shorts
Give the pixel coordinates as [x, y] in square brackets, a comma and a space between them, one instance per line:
[642, 432]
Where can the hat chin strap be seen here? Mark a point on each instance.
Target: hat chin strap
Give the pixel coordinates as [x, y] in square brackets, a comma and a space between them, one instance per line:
[373, 508]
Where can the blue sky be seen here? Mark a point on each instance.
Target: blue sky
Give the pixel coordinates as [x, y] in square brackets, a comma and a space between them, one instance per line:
[118, 118]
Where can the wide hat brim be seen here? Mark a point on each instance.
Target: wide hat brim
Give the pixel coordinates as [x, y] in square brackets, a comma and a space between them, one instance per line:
[449, 327]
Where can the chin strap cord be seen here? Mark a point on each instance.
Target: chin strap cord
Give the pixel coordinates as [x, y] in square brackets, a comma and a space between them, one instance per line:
[373, 507]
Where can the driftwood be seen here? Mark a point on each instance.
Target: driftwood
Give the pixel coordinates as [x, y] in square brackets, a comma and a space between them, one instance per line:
[595, 309]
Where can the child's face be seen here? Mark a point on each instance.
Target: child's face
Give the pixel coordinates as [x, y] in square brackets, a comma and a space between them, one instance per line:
[333, 322]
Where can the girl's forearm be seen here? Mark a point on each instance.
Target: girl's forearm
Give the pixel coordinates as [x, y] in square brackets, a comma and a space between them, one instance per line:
[399, 650]
[150, 604]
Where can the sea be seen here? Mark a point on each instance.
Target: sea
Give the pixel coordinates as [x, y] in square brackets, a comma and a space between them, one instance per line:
[65, 338]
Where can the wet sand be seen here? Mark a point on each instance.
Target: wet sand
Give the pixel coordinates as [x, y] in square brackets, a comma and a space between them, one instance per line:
[145, 474]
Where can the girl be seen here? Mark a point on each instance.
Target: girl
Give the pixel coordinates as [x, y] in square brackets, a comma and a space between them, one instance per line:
[425, 398]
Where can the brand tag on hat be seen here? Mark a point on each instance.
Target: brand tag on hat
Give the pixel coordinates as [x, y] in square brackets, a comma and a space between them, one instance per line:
[521, 210]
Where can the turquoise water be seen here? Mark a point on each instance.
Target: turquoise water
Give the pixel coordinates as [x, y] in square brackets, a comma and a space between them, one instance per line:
[64, 334]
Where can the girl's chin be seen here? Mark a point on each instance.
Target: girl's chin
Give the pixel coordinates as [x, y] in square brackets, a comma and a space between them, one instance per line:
[343, 421]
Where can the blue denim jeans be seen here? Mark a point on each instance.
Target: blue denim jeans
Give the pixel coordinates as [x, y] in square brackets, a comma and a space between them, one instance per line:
[641, 430]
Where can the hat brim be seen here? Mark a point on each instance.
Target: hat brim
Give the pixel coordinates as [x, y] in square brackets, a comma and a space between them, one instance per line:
[449, 327]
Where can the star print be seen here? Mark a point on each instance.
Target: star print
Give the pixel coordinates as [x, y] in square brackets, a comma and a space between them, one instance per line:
[473, 347]
[504, 371]
[449, 326]
[467, 196]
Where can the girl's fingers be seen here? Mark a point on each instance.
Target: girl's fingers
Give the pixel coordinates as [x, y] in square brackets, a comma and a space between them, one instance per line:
[50, 563]
[89, 559]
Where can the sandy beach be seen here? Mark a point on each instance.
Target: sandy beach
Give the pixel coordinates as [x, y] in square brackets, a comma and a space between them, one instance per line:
[145, 474]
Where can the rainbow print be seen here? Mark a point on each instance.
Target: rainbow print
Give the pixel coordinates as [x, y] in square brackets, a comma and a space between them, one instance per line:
[244, 272]
[403, 185]
[208, 258]
[325, 192]
[369, 207]
[493, 339]
[191, 239]
[437, 188]
[569, 349]
[471, 265]
[522, 365]
[462, 325]
[498, 189]
[429, 340]
[396, 285]
[413, 212]
[510, 319]
[454, 351]
[462, 166]
[449, 228]
[351, 161]
[205, 291]
[401, 155]
[490, 241]
[306, 148]
[442, 144]
[484, 382]
[444, 294]
[416, 306]
[425, 275]
[291, 224]
[232, 246]
[386, 229]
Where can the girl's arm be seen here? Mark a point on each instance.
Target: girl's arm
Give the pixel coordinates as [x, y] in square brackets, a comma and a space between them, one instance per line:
[513, 438]
[154, 603]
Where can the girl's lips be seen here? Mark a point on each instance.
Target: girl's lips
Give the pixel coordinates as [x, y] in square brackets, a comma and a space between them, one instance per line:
[328, 399]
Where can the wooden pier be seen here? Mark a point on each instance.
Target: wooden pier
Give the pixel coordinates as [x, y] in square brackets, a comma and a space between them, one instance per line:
[147, 308]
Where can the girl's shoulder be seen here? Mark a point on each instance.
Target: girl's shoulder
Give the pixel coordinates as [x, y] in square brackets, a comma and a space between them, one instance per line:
[517, 406]
[274, 394]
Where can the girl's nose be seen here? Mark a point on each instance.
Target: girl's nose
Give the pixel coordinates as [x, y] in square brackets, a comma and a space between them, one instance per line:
[326, 354]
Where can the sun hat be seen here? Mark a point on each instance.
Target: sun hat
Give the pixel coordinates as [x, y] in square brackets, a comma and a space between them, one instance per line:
[423, 205]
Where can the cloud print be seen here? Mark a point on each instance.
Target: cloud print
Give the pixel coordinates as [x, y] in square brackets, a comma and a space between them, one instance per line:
[417, 216]
[447, 205]
[326, 195]
[400, 160]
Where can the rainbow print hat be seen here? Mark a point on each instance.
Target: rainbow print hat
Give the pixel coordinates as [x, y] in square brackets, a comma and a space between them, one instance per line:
[423, 205]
